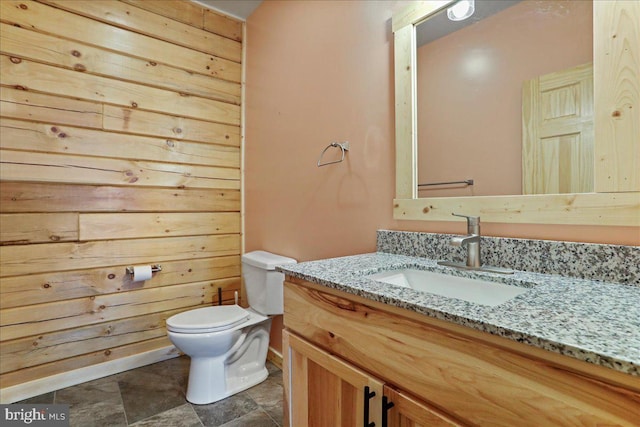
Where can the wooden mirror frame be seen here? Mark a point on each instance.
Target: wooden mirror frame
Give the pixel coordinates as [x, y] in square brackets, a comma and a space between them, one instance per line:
[616, 198]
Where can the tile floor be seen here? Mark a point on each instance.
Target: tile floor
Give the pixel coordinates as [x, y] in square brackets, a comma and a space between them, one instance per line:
[153, 395]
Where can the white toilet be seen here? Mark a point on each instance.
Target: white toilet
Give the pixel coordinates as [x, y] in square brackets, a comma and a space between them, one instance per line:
[228, 344]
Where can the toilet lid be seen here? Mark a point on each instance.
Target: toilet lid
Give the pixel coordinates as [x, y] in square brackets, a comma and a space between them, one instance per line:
[207, 319]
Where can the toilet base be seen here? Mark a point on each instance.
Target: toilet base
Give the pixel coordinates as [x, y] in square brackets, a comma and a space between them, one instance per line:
[214, 378]
[206, 384]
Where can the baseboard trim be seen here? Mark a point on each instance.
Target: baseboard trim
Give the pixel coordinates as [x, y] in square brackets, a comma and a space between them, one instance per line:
[77, 376]
[274, 357]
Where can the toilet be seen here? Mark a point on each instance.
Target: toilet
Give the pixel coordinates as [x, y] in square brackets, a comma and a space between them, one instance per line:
[228, 344]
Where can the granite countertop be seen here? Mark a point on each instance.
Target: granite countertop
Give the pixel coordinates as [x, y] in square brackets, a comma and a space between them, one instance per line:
[594, 321]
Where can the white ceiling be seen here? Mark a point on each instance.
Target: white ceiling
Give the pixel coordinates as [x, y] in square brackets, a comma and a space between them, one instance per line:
[240, 9]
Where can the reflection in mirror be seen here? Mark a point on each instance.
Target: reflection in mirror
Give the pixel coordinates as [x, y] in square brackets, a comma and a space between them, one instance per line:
[507, 100]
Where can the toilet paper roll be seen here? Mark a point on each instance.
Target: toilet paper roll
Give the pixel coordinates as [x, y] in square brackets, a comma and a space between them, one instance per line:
[141, 272]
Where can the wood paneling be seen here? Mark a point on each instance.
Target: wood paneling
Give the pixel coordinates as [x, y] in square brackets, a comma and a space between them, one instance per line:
[151, 24]
[30, 351]
[34, 197]
[49, 20]
[37, 372]
[21, 43]
[179, 10]
[37, 319]
[147, 123]
[22, 104]
[223, 25]
[47, 167]
[120, 145]
[105, 226]
[50, 138]
[39, 288]
[38, 228]
[58, 81]
[29, 259]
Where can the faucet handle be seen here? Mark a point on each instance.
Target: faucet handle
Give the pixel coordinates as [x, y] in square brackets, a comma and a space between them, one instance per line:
[471, 220]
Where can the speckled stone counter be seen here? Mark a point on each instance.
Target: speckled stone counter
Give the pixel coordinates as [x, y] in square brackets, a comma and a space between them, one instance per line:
[610, 263]
[590, 320]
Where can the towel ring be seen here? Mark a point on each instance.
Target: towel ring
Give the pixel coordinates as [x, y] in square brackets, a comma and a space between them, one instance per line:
[344, 146]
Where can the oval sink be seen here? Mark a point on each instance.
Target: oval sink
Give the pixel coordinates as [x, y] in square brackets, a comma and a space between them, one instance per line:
[471, 290]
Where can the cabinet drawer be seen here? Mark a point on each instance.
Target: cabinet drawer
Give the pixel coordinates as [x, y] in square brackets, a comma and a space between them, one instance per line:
[470, 379]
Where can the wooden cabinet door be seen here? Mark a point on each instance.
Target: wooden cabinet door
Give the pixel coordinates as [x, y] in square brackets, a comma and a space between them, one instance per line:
[410, 412]
[324, 391]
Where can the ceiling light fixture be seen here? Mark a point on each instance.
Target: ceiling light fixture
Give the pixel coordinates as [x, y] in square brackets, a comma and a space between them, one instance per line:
[461, 10]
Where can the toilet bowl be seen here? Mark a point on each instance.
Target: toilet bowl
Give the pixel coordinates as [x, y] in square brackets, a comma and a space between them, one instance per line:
[228, 344]
[228, 348]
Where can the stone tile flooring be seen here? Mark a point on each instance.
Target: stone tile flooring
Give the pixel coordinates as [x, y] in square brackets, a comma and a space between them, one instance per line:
[153, 395]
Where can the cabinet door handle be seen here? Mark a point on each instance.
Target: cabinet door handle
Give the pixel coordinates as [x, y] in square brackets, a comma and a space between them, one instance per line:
[386, 405]
[367, 396]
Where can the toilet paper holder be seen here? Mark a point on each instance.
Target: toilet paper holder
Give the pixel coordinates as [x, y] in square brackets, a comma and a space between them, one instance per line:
[154, 269]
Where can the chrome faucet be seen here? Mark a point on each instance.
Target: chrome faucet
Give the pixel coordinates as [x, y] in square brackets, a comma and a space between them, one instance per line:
[472, 242]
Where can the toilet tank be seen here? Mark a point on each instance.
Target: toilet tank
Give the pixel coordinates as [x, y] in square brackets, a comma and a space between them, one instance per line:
[262, 282]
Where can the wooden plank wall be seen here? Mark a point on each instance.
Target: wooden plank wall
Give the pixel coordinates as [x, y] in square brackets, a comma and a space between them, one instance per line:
[120, 145]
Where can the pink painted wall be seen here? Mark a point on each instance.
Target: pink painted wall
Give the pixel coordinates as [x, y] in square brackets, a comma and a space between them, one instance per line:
[470, 92]
[317, 72]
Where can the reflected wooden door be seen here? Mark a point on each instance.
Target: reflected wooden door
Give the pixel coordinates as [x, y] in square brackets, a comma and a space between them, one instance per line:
[557, 132]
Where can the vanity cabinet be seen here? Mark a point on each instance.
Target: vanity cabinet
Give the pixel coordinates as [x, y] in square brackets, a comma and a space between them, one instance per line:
[435, 372]
[327, 391]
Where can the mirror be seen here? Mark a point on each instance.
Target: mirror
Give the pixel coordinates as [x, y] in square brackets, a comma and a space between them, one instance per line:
[471, 99]
[614, 198]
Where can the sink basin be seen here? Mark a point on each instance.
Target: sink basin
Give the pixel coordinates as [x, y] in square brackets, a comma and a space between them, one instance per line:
[471, 290]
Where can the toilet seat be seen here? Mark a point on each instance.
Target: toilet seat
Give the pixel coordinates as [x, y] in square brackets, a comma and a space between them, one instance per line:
[207, 319]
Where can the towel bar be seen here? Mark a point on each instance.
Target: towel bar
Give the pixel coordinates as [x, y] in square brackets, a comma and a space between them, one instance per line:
[344, 146]
[466, 181]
